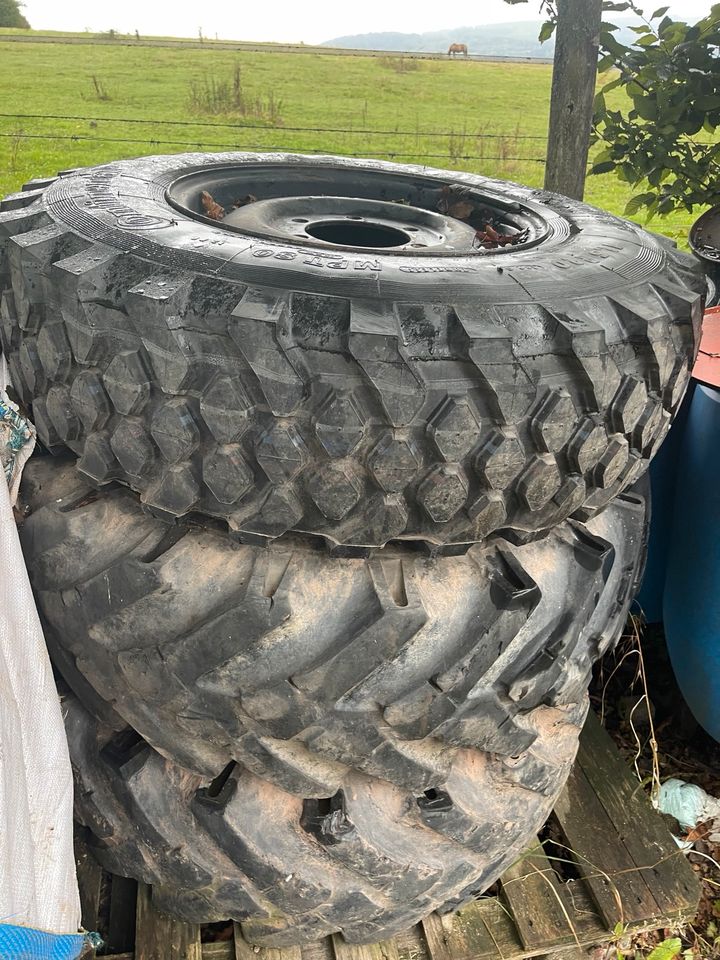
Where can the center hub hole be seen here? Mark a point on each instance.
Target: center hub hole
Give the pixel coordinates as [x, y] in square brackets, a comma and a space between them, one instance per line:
[354, 233]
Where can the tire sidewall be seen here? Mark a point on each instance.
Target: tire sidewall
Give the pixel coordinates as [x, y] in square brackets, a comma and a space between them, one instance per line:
[124, 205]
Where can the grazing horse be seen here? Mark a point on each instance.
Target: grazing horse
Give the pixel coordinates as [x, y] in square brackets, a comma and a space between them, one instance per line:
[457, 48]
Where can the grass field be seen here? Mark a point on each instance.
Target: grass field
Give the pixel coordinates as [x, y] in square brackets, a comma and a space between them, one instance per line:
[489, 118]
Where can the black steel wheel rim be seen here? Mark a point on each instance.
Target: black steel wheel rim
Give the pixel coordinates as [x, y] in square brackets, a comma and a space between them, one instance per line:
[356, 209]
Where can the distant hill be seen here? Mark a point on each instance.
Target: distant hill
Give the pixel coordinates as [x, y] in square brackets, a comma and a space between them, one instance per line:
[492, 40]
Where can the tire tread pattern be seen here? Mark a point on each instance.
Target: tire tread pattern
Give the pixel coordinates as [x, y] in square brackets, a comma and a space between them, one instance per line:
[358, 421]
[301, 666]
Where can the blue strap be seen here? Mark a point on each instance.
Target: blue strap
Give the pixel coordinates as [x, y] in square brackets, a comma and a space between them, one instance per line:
[24, 943]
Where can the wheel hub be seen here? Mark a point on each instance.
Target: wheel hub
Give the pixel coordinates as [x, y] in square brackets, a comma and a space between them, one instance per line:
[349, 222]
[352, 209]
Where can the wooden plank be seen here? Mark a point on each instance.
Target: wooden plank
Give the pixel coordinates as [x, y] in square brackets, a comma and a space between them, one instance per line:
[573, 953]
[121, 925]
[436, 937]
[89, 878]
[584, 911]
[618, 889]
[158, 937]
[318, 950]
[217, 950]
[411, 945]
[244, 951]
[571, 99]
[483, 929]
[640, 828]
[386, 950]
[535, 898]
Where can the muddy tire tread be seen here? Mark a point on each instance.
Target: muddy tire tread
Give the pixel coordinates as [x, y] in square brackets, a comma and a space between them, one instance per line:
[301, 666]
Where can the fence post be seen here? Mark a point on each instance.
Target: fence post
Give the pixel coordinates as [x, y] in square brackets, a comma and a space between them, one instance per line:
[573, 89]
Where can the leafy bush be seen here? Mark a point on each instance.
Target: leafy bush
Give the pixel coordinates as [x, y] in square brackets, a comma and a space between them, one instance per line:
[664, 139]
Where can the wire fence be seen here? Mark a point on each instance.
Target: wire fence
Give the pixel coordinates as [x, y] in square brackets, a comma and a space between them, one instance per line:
[280, 140]
[259, 126]
[389, 154]
[437, 146]
[456, 139]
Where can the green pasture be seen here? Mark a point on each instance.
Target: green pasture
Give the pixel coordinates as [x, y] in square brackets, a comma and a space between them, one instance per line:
[489, 118]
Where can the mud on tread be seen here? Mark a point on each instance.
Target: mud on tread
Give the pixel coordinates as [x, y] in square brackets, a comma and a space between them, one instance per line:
[301, 666]
[369, 861]
[398, 406]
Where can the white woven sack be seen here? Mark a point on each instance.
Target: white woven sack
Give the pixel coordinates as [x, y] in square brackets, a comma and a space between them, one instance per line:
[38, 886]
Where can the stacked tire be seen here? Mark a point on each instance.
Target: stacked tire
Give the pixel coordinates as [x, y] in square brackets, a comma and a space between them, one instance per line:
[346, 499]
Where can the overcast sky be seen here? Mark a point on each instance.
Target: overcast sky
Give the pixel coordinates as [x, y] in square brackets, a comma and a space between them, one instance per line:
[311, 21]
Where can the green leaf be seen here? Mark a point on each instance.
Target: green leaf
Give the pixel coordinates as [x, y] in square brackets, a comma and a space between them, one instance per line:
[660, 12]
[707, 103]
[646, 108]
[613, 46]
[605, 167]
[666, 950]
[603, 155]
[640, 200]
[612, 84]
[619, 929]
[546, 31]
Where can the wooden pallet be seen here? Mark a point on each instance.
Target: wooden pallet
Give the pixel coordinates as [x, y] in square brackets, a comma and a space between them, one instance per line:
[624, 867]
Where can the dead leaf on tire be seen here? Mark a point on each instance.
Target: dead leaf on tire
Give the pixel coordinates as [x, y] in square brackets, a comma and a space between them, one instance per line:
[243, 201]
[211, 208]
[461, 210]
[454, 195]
[489, 239]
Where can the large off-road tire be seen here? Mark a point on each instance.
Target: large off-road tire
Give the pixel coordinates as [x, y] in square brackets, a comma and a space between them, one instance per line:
[301, 666]
[370, 861]
[253, 371]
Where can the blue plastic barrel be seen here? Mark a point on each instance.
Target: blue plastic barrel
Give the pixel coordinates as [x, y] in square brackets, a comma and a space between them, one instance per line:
[663, 482]
[691, 602]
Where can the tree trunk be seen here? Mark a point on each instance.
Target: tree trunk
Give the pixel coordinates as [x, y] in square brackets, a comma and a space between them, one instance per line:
[573, 89]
